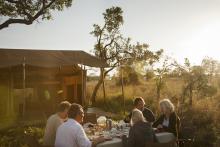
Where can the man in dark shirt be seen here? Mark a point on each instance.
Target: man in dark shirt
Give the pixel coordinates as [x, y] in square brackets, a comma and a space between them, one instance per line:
[139, 104]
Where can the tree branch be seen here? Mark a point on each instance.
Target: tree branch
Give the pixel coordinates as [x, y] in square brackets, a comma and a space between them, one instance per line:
[12, 21]
[106, 72]
[44, 7]
[30, 17]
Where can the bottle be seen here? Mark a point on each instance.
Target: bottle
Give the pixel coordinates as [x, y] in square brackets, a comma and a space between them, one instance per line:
[108, 124]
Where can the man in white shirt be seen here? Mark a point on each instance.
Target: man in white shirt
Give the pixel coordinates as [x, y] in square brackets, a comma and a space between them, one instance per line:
[54, 122]
[71, 133]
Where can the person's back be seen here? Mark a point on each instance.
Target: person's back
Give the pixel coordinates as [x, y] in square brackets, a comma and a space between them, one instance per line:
[140, 133]
[69, 134]
[53, 123]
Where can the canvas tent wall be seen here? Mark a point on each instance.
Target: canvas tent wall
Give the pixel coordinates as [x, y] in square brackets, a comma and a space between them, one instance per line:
[48, 59]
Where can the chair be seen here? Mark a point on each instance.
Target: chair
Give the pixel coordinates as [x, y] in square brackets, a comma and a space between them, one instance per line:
[90, 117]
[186, 137]
[169, 144]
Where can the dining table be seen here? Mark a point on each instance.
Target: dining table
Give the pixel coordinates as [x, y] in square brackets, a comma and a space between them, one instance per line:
[115, 137]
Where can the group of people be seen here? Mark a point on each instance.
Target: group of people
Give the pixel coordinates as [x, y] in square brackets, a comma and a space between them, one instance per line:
[143, 121]
[64, 129]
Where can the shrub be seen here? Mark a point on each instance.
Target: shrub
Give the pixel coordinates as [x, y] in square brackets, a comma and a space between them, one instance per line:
[202, 118]
[22, 137]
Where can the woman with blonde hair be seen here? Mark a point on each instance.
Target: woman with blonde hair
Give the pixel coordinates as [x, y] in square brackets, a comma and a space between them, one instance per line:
[168, 121]
[141, 131]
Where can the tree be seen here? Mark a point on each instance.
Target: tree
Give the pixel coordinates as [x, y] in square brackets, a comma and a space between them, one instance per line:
[114, 49]
[210, 66]
[161, 74]
[28, 11]
[194, 79]
[130, 75]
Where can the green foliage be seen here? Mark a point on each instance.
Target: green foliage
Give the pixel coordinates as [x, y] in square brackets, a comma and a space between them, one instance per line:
[195, 80]
[205, 127]
[130, 76]
[210, 66]
[161, 74]
[22, 137]
[149, 74]
[208, 91]
[115, 49]
[115, 104]
[27, 11]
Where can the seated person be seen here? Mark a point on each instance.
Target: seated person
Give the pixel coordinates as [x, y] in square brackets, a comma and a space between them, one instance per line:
[71, 132]
[168, 121]
[139, 104]
[53, 122]
[141, 131]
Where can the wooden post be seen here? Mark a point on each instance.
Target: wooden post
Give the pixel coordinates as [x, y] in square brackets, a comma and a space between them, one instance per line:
[11, 92]
[24, 86]
[84, 85]
[8, 97]
[83, 76]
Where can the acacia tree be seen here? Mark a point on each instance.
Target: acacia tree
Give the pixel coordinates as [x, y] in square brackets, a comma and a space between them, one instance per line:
[210, 66]
[194, 79]
[114, 49]
[161, 73]
[28, 11]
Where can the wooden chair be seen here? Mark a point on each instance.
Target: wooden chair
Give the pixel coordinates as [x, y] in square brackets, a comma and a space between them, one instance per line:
[90, 117]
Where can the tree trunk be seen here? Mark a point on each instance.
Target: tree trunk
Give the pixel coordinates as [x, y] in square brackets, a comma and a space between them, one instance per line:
[97, 86]
[159, 86]
[190, 95]
[158, 94]
[103, 86]
[102, 76]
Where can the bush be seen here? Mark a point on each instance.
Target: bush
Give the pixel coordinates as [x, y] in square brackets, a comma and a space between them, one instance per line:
[115, 105]
[208, 91]
[22, 137]
[204, 121]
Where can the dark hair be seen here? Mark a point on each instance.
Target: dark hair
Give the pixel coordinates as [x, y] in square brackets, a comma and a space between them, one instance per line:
[63, 106]
[74, 110]
[137, 100]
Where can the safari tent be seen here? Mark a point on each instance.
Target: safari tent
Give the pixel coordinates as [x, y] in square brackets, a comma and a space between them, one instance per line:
[37, 80]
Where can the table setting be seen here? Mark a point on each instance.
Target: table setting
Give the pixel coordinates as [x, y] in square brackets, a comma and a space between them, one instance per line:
[115, 131]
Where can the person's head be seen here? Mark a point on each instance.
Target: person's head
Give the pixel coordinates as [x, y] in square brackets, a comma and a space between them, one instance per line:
[137, 116]
[63, 109]
[166, 106]
[139, 103]
[76, 112]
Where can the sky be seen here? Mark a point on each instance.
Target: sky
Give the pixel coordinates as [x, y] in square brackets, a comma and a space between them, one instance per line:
[183, 28]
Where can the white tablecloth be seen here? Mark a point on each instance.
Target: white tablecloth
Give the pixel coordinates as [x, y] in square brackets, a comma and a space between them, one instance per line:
[165, 137]
[115, 142]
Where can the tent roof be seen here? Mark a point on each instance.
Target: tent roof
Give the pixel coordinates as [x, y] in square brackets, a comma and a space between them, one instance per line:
[47, 58]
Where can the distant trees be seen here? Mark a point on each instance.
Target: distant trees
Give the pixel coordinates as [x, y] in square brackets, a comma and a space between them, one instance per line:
[211, 67]
[28, 11]
[130, 75]
[161, 74]
[149, 74]
[114, 49]
[195, 79]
